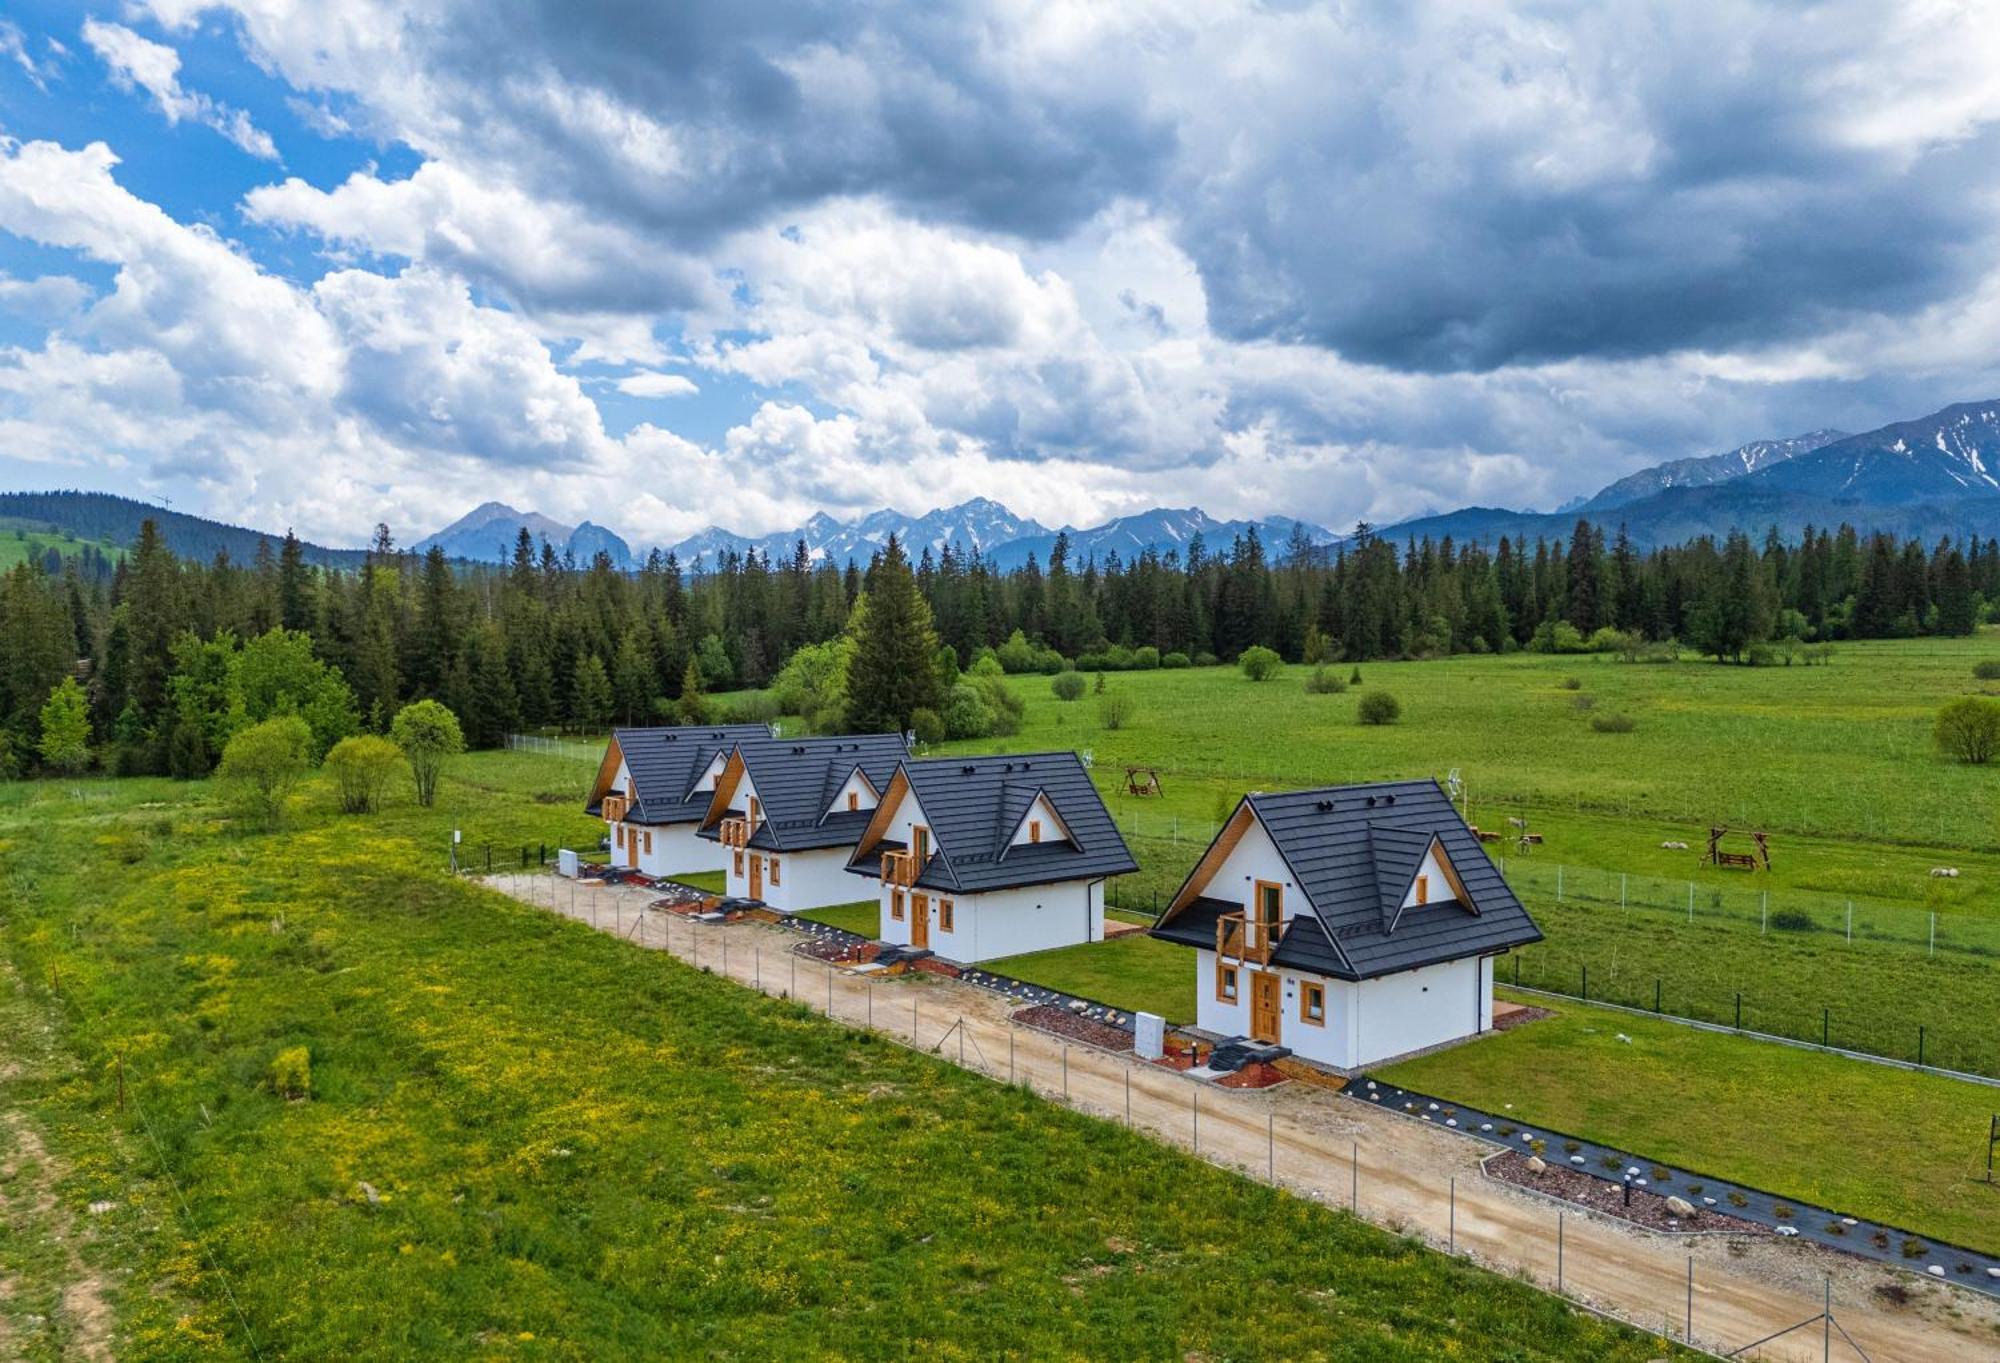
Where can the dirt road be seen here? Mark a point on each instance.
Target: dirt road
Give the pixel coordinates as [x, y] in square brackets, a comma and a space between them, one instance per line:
[1408, 1176]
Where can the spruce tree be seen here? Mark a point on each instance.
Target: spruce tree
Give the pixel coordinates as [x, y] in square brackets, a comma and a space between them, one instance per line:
[893, 674]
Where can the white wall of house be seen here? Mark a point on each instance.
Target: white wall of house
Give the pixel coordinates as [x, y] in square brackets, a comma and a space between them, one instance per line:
[1366, 1022]
[857, 788]
[1041, 814]
[806, 880]
[1432, 876]
[907, 815]
[1000, 923]
[1254, 858]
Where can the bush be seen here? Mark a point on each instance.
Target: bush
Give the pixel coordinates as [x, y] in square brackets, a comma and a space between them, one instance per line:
[928, 724]
[1613, 723]
[1146, 659]
[986, 665]
[1324, 683]
[761, 707]
[1558, 636]
[291, 1073]
[1378, 707]
[362, 768]
[1792, 920]
[1988, 670]
[1175, 660]
[1260, 663]
[429, 735]
[1115, 709]
[1969, 729]
[1572, 683]
[1067, 686]
[1354, 677]
[264, 763]
[966, 713]
[1760, 655]
[1583, 703]
[1207, 660]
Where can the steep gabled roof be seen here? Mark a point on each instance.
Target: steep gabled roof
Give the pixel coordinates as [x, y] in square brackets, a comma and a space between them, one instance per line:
[974, 807]
[1355, 851]
[797, 778]
[665, 762]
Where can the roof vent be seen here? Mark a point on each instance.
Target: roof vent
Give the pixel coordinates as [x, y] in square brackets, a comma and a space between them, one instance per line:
[1323, 806]
[1388, 799]
[1371, 802]
[967, 770]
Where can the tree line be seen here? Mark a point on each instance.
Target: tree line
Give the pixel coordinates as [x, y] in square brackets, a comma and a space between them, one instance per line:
[168, 657]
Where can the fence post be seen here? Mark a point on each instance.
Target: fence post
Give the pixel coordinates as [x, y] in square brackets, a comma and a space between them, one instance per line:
[1197, 1121]
[1559, 1251]
[1451, 1226]
[1586, 982]
[1559, 883]
[1690, 901]
[1850, 922]
[1621, 889]
[1739, 1010]
[1656, 993]
[1933, 934]
[1920, 1043]
[1688, 1337]
[1825, 1026]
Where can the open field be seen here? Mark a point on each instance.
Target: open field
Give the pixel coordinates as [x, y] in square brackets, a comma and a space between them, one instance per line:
[526, 1139]
[863, 916]
[1132, 972]
[1863, 1139]
[20, 542]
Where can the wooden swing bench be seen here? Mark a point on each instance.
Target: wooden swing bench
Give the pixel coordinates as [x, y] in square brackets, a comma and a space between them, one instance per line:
[1142, 781]
[1738, 861]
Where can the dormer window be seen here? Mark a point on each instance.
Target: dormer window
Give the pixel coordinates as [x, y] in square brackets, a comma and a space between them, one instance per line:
[1034, 830]
[853, 800]
[1423, 889]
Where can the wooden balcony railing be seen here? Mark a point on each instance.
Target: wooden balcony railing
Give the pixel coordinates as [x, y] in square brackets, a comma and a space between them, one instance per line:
[614, 808]
[735, 832]
[1246, 938]
[900, 868]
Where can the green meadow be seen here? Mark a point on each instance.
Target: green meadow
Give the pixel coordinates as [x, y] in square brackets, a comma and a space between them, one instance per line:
[325, 1100]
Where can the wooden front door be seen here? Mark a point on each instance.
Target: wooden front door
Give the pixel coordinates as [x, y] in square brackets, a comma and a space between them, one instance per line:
[1265, 1006]
[756, 877]
[920, 920]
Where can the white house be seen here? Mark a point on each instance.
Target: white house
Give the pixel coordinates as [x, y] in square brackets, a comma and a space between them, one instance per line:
[1349, 924]
[652, 789]
[785, 814]
[979, 858]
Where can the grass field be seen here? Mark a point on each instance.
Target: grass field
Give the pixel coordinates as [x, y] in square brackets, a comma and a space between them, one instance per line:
[1138, 974]
[18, 543]
[578, 1150]
[863, 916]
[1856, 1138]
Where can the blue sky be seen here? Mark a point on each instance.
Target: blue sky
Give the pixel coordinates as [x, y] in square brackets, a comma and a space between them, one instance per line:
[320, 263]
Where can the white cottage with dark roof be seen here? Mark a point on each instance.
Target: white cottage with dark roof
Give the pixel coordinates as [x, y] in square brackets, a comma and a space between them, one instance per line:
[978, 858]
[786, 813]
[653, 789]
[1350, 924]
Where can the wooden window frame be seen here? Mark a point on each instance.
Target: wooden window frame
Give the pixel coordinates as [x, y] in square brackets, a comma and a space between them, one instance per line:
[945, 918]
[772, 867]
[896, 905]
[618, 840]
[1034, 830]
[1228, 982]
[853, 801]
[1257, 901]
[739, 863]
[756, 811]
[1308, 991]
[920, 844]
[1423, 889]
[649, 841]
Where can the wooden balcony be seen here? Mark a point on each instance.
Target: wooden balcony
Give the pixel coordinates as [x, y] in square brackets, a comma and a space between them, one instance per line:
[614, 808]
[735, 832]
[900, 868]
[1244, 938]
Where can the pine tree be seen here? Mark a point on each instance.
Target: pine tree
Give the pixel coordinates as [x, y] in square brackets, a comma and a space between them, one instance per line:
[65, 723]
[590, 703]
[893, 674]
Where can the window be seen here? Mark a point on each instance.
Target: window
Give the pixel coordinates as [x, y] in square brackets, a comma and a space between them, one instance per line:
[853, 800]
[944, 915]
[620, 835]
[756, 811]
[1034, 830]
[774, 871]
[1270, 902]
[1312, 1003]
[896, 905]
[1225, 982]
[739, 861]
[649, 842]
[920, 844]
[1423, 889]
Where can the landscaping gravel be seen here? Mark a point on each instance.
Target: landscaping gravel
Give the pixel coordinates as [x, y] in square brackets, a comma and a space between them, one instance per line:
[1049, 1017]
[1647, 1209]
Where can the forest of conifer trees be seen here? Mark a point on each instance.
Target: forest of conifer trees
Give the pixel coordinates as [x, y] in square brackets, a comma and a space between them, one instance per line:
[172, 655]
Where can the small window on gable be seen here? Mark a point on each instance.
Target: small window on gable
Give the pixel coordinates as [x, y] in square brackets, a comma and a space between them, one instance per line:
[774, 870]
[1034, 830]
[944, 915]
[853, 799]
[1423, 889]
[1225, 982]
[739, 862]
[896, 905]
[1312, 1003]
[756, 811]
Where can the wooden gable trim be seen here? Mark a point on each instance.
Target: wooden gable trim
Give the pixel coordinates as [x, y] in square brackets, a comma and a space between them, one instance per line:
[1041, 797]
[885, 810]
[1211, 861]
[1456, 885]
[607, 768]
[839, 805]
[725, 789]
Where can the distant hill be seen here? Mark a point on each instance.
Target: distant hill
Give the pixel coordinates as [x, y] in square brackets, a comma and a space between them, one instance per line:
[486, 534]
[1704, 470]
[1949, 454]
[116, 520]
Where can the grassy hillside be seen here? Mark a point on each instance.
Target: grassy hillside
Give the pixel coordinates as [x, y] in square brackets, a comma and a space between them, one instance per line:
[20, 542]
[577, 1150]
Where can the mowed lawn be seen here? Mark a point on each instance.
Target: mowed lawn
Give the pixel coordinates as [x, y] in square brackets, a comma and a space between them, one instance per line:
[1861, 1139]
[527, 1139]
[1133, 972]
[863, 916]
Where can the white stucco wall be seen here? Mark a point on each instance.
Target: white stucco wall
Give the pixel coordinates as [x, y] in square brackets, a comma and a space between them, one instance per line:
[1041, 811]
[907, 814]
[677, 850]
[1254, 858]
[1436, 883]
[857, 786]
[806, 880]
[1000, 923]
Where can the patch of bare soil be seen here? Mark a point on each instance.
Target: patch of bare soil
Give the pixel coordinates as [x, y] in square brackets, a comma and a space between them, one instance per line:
[1506, 1017]
[1644, 1207]
[1062, 1022]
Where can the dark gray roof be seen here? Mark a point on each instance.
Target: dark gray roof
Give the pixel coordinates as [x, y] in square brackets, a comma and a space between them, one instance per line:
[797, 778]
[1354, 851]
[666, 761]
[974, 806]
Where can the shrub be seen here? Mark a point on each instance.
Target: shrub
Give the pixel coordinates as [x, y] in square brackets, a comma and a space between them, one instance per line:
[362, 768]
[1614, 723]
[1760, 655]
[1175, 660]
[1324, 683]
[986, 665]
[429, 736]
[1115, 709]
[1572, 683]
[966, 713]
[1207, 660]
[1607, 640]
[1558, 636]
[291, 1073]
[1989, 670]
[928, 724]
[1969, 729]
[1146, 659]
[1379, 707]
[1583, 703]
[1067, 685]
[265, 762]
[1354, 677]
[761, 707]
[1792, 920]
[1260, 663]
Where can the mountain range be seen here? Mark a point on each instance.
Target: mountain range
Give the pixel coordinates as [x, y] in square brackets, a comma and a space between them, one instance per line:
[1930, 477]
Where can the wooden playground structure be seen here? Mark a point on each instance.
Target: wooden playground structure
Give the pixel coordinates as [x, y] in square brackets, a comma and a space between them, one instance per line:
[1759, 859]
[1142, 781]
